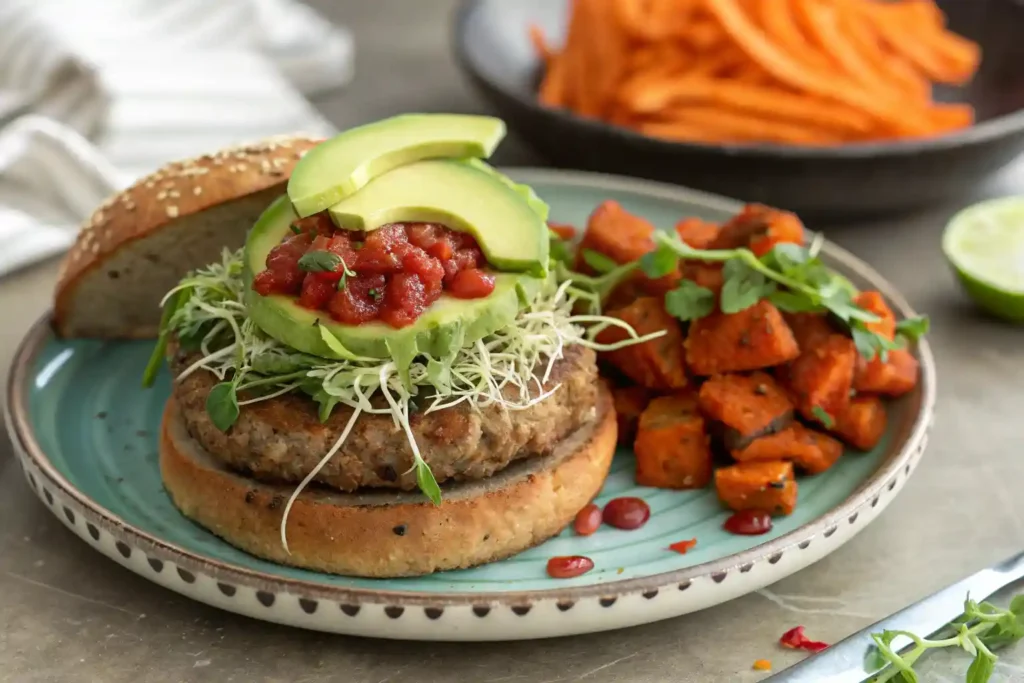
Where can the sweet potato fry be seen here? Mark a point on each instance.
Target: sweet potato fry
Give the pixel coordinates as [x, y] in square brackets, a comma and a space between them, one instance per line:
[767, 486]
[895, 68]
[736, 125]
[748, 407]
[629, 401]
[656, 364]
[766, 101]
[672, 448]
[862, 423]
[754, 338]
[811, 451]
[616, 233]
[554, 87]
[874, 302]
[821, 378]
[894, 377]
[540, 43]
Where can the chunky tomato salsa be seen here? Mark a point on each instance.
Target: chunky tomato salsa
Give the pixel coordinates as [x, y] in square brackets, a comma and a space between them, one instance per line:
[390, 275]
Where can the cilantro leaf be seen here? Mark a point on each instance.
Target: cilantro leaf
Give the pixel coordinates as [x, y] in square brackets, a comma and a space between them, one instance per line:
[793, 302]
[222, 405]
[743, 287]
[823, 417]
[870, 344]
[689, 301]
[660, 262]
[913, 328]
[598, 261]
[319, 261]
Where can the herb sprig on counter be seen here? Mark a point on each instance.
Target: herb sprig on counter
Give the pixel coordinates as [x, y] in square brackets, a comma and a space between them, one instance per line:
[982, 628]
[790, 276]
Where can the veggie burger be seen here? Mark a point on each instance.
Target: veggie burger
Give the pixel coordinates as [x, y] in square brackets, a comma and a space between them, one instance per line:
[377, 367]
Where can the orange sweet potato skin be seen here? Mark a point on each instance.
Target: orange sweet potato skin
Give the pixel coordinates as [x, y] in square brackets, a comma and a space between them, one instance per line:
[697, 233]
[629, 402]
[767, 486]
[754, 338]
[748, 404]
[873, 302]
[672, 447]
[811, 451]
[822, 376]
[759, 228]
[862, 423]
[616, 233]
[894, 377]
[809, 329]
[656, 364]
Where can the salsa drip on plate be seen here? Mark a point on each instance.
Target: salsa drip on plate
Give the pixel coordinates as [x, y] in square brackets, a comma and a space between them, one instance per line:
[390, 275]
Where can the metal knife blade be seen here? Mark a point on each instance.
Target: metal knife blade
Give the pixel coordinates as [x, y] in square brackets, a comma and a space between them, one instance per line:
[844, 661]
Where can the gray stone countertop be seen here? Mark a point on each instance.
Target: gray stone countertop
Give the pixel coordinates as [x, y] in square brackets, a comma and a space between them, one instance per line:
[68, 614]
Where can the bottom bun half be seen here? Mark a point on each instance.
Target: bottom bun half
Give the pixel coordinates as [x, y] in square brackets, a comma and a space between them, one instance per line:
[387, 534]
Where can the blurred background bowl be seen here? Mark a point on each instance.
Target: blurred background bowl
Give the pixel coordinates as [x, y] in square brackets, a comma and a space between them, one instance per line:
[492, 48]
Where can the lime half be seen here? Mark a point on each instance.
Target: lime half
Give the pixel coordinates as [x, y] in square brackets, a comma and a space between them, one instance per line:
[985, 245]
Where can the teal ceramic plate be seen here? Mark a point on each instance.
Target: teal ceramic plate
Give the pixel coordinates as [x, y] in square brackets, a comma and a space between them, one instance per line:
[86, 434]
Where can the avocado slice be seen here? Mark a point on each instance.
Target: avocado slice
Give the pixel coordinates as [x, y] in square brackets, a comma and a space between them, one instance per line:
[460, 196]
[342, 165]
[539, 206]
[444, 328]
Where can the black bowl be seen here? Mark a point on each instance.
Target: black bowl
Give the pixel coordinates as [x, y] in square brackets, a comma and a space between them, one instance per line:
[492, 47]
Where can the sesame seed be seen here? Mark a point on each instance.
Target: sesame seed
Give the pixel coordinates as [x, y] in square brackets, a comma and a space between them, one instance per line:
[130, 206]
[300, 154]
[150, 184]
[242, 167]
[197, 191]
[161, 195]
[95, 247]
[278, 163]
[172, 211]
[174, 193]
[265, 166]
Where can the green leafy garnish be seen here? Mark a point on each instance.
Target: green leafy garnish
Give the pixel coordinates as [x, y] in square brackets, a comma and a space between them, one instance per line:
[222, 405]
[913, 328]
[824, 418]
[559, 250]
[598, 261]
[689, 301]
[427, 483]
[319, 261]
[172, 304]
[981, 628]
[790, 276]
[743, 287]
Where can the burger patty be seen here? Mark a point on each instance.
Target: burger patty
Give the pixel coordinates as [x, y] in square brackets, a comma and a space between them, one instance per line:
[282, 439]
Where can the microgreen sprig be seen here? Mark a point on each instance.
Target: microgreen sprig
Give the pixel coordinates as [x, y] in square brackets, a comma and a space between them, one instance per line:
[982, 628]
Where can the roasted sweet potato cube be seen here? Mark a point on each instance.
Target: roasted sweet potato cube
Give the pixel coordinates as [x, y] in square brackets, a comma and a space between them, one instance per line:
[759, 228]
[758, 485]
[754, 338]
[625, 293]
[894, 377]
[563, 230]
[821, 378]
[862, 423]
[811, 451]
[616, 233]
[809, 329]
[707, 275]
[697, 232]
[629, 403]
[873, 302]
[672, 448]
[748, 406]
[656, 364]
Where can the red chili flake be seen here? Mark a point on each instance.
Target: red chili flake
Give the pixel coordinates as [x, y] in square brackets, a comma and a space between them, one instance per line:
[795, 639]
[682, 546]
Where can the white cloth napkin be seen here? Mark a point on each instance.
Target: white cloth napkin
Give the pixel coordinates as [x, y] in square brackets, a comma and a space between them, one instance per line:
[95, 94]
